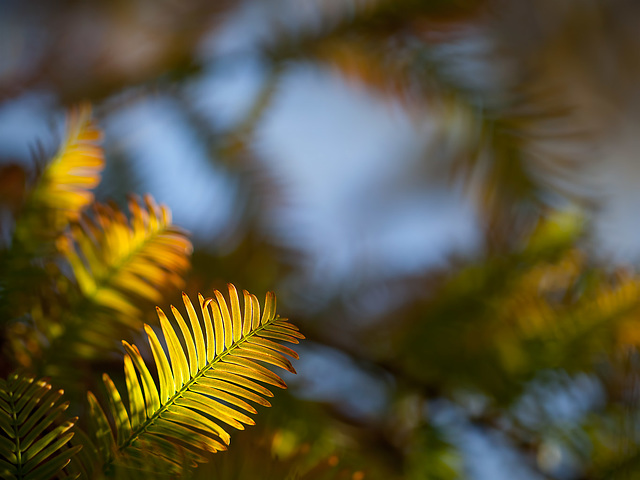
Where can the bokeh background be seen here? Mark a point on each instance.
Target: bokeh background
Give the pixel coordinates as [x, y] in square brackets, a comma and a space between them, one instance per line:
[443, 195]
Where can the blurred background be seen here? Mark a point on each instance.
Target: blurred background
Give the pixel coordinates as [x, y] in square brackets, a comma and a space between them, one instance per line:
[442, 193]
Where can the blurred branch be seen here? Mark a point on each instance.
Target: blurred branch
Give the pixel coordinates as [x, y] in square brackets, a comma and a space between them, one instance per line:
[122, 50]
[396, 48]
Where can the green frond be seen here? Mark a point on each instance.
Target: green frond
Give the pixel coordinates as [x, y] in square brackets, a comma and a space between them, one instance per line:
[208, 372]
[118, 262]
[32, 436]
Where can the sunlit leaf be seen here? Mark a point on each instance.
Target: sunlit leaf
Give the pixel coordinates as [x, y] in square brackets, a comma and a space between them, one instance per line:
[64, 188]
[117, 264]
[200, 392]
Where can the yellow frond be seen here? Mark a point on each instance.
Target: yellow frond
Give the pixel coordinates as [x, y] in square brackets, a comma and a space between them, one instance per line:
[200, 388]
[117, 263]
[61, 192]
[66, 183]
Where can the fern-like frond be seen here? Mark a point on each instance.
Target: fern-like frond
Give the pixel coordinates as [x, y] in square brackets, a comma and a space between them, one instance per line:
[88, 463]
[117, 263]
[31, 436]
[76, 167]
[64, 188]
[114, 259]
[206, 379]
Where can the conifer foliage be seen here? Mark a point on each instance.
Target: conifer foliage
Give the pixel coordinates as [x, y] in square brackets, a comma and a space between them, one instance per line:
[98, 267]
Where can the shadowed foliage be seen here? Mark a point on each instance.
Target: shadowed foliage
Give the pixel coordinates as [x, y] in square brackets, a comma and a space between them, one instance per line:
[32, 431]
